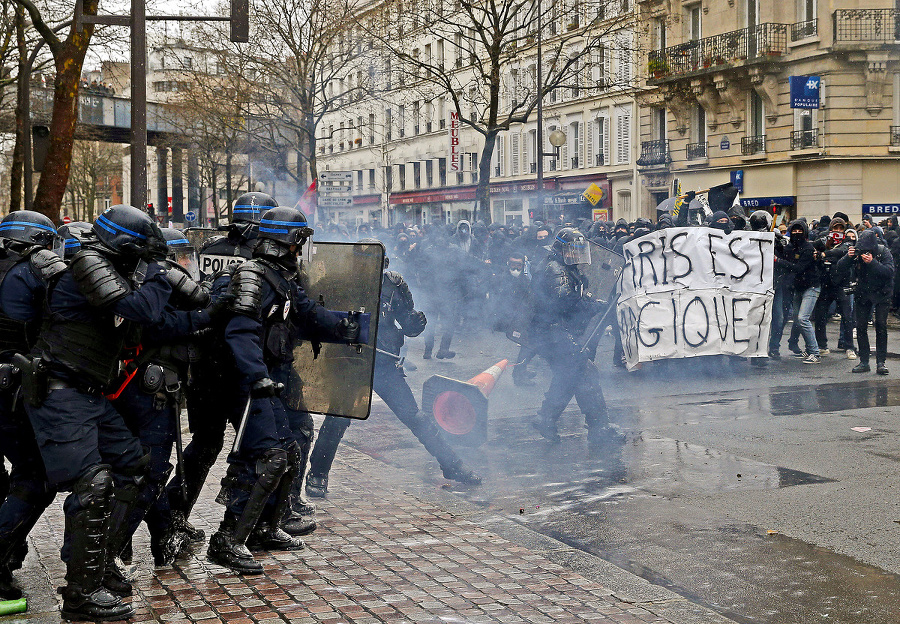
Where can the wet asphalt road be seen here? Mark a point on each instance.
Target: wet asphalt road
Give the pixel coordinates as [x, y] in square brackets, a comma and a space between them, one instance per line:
[746, 490]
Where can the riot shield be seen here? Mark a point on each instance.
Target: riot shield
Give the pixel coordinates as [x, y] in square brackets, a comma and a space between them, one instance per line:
[346, 277]
[199, 235]
[603, 272]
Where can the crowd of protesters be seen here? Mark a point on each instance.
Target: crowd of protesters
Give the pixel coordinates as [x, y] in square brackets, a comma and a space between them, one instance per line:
[473, 275]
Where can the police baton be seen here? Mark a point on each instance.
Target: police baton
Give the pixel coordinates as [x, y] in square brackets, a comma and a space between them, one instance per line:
[179, 453]
[239, 436]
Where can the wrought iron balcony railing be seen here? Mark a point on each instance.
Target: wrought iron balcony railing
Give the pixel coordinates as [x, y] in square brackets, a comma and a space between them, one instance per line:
[758, 42]
[866, 25]
[654, 153]
[753, 145]
[599, 160]
[802, 139]
[802, 30]
[697, 151]
[534, 167]
[895, 136]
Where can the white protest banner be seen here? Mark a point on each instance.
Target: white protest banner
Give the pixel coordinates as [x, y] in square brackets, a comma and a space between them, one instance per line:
[695, 291]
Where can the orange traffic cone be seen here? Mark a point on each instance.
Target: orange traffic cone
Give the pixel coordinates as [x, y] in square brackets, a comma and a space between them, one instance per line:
[486, 380]
[460, 407]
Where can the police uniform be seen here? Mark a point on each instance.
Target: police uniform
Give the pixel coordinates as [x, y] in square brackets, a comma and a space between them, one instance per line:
[23, 282]
[84, 442]
[269, 310]
[563, 312]
[399, 319]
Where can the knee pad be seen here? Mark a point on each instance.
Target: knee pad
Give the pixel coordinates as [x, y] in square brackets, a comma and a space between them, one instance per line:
[271, 467]
[295, 455]
[94, 486]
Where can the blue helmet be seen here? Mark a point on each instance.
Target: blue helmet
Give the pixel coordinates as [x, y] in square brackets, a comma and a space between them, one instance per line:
[130, 232]
[249, 207]
[284, 225]
[30, 228]
[72, 235]
[182, 252]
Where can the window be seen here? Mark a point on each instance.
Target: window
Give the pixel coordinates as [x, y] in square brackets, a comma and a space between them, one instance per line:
[658, 120]
[806, 10]
[597, 142]
[659, 30]
[693, 22]
[388, 125]
[371, 128]
[442, 172]
[417, 175]
[698, 127]
[623, 135]
[371, 179]
[624, 203]
[756, 122]
[401, 121]
[401, 176]
[514, 153]
[805, 134]
[359, 180]
[187, 62]
[389, 178]
[429, 173]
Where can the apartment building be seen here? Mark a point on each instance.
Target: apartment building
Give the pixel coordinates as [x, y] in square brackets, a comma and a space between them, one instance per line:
[719, 103]
[395, 135]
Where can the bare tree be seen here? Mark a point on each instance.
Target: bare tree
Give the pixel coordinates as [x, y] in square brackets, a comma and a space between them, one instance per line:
[95, 174]
[483, 55]
[68, 58]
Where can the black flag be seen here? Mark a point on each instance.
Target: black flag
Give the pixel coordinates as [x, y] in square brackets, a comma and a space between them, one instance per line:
[722, 197]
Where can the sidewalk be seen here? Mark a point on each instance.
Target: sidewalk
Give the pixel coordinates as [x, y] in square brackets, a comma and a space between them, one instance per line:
[383, 553]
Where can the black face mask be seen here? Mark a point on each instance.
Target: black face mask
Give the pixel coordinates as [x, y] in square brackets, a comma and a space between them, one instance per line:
[797, 237]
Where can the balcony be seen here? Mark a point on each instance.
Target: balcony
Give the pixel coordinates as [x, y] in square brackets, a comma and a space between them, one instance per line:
[427, 126]
[762, 42]
[654, 153]
[442, 124]
[753, 145]
[866, 25]
[895, 136]
[804, 30]
[804, 139]
[697, 151]
[599, 160]
[575, 162]
[534, 167]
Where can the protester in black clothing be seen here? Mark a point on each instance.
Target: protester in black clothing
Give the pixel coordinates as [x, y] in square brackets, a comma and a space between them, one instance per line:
[797, 260]
[873, 267]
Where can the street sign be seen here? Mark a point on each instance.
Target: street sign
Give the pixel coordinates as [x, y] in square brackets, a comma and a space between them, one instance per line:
[336, 176]
[190, 216]
[804, 91]
[725, 144]
[331, 201]
[737, 180]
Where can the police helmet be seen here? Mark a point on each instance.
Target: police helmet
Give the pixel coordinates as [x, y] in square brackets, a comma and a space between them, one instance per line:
[32, 229]
[72, 234]
[181, 251]
[284, 225]
[249, 207]
[571, 246]
[130, 232]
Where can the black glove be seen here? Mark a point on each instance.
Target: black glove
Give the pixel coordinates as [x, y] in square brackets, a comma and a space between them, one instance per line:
[415, 324]
[347, 329]
[218, 307]
[265, 388]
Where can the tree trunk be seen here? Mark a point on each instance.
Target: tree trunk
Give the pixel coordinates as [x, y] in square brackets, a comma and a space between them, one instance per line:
[483, 191]
[17, 171]
[69, 60]
[228, 197]
[213, 184]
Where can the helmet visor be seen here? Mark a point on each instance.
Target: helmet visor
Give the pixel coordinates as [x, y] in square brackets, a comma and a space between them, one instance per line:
[577, 251]
[58, 246]
[186, 257]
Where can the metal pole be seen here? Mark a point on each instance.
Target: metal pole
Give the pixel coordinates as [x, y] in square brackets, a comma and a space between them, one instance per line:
[177, 187]
[540, 119]
[162, 185]
[139, 104]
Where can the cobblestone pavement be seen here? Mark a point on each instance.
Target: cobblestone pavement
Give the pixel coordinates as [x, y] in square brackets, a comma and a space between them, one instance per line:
[381, 554]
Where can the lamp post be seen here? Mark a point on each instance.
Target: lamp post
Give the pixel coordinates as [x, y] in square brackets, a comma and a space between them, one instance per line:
[557, 137]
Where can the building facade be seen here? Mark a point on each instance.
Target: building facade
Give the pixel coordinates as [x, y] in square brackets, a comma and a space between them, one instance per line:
[397, 140]
[719, 103]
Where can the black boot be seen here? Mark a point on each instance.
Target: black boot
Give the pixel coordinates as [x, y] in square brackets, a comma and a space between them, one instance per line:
[444, 353]
[9, 588]
[116, 580]
[266, 538]
[167, 545]
[459, 473]
[316, 486]
[429, 347]
[193, 535]
[546, 427]
[85, 597]
[225, 551]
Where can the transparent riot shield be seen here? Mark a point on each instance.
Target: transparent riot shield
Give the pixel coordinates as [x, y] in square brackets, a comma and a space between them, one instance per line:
[603, 272]
[199, 235]
[602, 275]
[346, 277]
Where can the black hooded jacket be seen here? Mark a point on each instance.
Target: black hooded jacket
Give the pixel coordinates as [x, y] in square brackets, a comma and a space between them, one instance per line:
[875, 280]
[797, 260]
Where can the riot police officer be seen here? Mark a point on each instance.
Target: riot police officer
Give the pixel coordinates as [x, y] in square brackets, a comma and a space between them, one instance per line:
[210, 395]
[564, 309]
[269, 312]
[149, 397]
[111, 285]
[27, 266]
[399, 319]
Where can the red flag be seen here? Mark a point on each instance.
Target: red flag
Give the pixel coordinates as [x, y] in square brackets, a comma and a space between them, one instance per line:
[307, 203]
